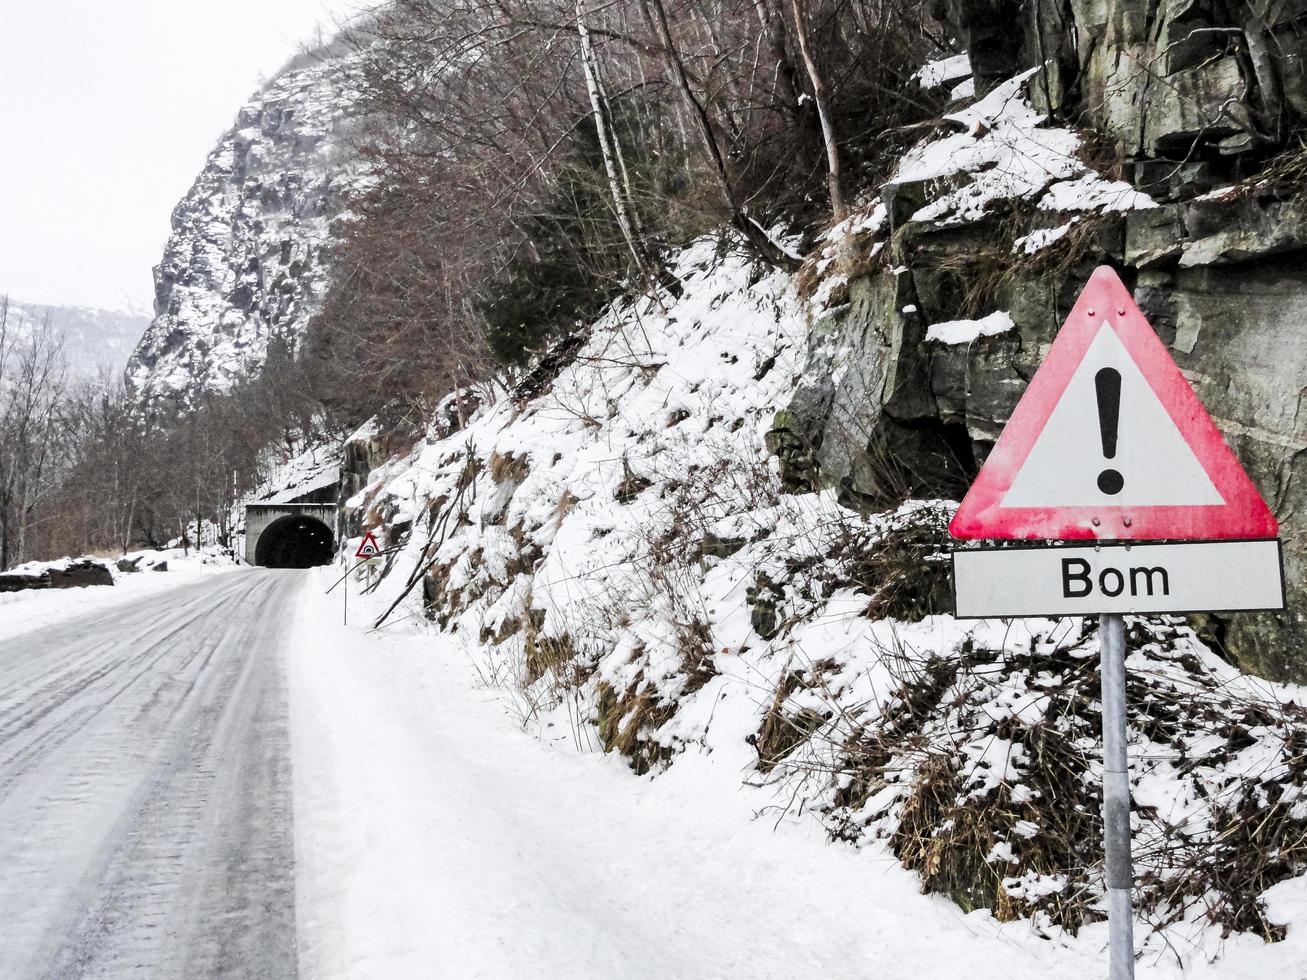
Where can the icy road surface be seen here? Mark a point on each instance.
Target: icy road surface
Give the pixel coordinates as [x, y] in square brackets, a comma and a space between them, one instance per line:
[145, 812]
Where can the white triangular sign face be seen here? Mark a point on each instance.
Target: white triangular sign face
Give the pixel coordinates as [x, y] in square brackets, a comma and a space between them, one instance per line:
[1156, 466]
[1110, 442]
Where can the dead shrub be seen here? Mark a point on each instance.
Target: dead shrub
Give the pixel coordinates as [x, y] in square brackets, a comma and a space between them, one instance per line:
[509, 467]
[548, 654]
[906, 569]
[694, 643]
[627, 721]
[1027, 841]
[782, 730]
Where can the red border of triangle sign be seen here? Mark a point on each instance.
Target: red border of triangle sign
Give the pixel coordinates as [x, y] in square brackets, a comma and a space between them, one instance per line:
[368, 547]
[1242, 513]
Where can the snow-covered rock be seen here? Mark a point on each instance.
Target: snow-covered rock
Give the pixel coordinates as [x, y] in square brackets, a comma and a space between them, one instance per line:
[246, 265]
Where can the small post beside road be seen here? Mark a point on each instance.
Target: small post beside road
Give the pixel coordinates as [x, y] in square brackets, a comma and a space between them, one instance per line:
[1116, 798]
[367, 556]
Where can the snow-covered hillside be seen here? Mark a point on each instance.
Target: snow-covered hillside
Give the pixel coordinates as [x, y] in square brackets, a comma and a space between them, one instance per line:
[246, 263]
[616, 551]
[93, 340]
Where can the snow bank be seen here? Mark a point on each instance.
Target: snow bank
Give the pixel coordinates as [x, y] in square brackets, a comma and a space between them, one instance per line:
[22, 612]
[444, 843]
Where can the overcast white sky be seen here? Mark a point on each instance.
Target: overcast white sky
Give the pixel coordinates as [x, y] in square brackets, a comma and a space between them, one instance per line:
[108, 109]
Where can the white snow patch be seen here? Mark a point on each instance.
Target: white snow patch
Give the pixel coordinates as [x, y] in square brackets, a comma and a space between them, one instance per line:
[1008, 152]
[963, 90]
[1041, 238]
[936, 73]
[1090, 192]
[966, 331]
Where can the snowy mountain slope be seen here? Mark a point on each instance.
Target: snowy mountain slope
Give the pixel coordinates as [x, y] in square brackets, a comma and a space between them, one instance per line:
[618, 552]
[246, 263]
[93, 339]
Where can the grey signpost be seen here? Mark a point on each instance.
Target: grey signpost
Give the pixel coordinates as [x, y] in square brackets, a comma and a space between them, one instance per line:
[1116, 495]
[1116, 796]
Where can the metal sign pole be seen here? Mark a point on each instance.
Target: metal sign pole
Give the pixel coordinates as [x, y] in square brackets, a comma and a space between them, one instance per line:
[1116, 798]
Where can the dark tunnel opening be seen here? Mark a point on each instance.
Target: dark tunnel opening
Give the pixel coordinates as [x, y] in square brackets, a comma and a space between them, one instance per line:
[295, 541]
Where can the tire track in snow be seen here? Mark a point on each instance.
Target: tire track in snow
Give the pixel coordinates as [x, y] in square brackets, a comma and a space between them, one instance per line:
[145, 648]
[145, 813]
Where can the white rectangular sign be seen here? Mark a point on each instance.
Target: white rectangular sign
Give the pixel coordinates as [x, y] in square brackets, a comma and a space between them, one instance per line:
[1084, 580]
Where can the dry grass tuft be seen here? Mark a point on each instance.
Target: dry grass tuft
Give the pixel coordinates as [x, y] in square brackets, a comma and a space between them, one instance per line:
[781, 731]
[1027, 840]
[509, 467]
[627, 722]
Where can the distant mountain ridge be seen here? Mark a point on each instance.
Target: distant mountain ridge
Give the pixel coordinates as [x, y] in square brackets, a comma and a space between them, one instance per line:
[94, 340]
[246, 264]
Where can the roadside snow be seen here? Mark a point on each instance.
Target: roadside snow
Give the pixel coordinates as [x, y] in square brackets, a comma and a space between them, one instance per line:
[434, 838]
[22, 612]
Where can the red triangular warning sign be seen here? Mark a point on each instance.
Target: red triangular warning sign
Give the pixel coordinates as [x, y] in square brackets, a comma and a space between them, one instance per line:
[1109, 441]
[369, 547]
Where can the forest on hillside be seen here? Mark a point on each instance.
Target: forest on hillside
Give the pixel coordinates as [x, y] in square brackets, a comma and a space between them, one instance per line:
[530, 160]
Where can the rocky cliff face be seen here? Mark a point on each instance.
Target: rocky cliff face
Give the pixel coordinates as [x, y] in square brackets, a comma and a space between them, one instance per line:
[966, 264]
[246, 265]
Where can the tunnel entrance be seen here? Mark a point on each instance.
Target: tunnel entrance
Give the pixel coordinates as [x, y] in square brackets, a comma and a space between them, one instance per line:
[295, 541]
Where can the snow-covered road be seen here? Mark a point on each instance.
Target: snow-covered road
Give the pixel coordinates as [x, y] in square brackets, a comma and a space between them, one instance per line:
[145, 811]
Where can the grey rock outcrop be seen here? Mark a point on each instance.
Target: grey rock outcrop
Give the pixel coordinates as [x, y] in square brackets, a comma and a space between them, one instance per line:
[247, 262]
[1198, 109]
[1162, 78]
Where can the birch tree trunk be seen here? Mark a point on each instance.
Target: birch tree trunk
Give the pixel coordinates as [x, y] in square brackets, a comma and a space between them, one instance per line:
[592, 84]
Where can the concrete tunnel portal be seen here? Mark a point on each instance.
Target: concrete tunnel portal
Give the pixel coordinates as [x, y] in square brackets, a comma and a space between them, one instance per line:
[289, 535]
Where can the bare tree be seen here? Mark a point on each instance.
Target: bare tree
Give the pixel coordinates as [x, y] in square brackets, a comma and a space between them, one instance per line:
[608, 144]
[822, 98]
[31, 389]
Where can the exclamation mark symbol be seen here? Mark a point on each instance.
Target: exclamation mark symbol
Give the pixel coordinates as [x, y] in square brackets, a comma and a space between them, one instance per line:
[1107, 385]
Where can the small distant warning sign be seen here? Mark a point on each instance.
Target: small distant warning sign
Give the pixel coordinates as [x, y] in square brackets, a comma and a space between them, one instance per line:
[369, 548]
[1111, 444]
